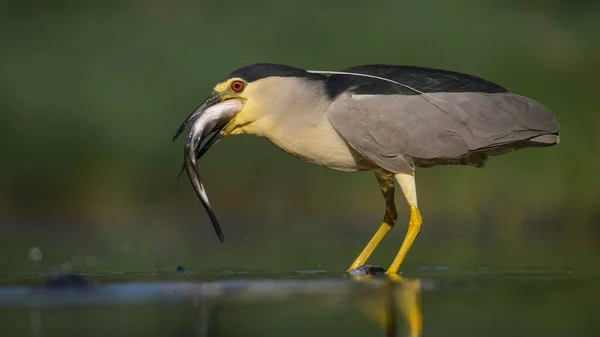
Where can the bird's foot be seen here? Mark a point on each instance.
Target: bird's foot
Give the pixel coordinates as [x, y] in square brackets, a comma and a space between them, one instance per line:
[367, 270]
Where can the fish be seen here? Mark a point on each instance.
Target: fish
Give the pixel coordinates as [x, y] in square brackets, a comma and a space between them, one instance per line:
[208, 120]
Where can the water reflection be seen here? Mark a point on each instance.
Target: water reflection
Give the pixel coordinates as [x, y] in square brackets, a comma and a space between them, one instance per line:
[315, 303]
[211, 308]
[395, 293]
[380, 297]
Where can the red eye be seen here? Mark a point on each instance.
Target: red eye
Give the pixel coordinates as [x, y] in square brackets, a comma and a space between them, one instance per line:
[237, 86]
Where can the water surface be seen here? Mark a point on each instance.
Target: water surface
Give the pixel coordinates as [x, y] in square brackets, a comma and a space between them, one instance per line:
[438, 302]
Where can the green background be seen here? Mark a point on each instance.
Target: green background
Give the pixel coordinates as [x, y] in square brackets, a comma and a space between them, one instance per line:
[91, 94]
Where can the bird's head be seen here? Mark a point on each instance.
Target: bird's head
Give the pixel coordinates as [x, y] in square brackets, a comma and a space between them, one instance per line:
[251, 93]
[245, 101]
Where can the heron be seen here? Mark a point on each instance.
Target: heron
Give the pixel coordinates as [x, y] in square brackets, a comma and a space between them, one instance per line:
[387, 119]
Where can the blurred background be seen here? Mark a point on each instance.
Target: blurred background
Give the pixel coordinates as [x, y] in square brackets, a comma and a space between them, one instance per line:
[91, 94]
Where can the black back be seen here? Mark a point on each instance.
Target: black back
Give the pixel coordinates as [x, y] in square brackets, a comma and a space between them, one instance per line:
[257, 71]
[420, 78]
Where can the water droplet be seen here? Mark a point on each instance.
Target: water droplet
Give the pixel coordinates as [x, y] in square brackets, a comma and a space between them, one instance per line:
[35, 254]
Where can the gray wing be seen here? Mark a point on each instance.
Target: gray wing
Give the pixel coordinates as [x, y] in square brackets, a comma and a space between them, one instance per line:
[393, 130]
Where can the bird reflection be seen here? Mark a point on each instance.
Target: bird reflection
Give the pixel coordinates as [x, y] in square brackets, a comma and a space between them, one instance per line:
[396, 294]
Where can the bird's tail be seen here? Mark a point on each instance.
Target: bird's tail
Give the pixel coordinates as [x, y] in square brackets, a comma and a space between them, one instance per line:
[546, 140]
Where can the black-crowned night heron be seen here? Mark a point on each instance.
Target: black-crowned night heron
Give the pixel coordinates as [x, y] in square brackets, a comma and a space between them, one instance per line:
[383, 118]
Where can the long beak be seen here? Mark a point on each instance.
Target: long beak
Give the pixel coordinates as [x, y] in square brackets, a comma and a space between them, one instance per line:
[209, 118]
[210, 101]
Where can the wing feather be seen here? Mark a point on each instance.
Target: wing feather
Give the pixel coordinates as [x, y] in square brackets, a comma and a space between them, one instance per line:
[393, 130]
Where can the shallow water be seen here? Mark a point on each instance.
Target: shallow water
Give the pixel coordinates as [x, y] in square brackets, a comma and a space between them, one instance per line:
[440, 302]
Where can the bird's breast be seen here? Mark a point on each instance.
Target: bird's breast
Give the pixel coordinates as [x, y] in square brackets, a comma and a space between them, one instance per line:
[317, 143]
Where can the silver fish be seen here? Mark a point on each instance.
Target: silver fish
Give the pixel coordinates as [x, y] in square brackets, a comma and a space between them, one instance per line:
[209, 118]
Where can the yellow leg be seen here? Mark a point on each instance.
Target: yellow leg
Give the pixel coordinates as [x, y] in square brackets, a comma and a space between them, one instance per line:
[370, 247]
[407, 184]
[386, 184]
